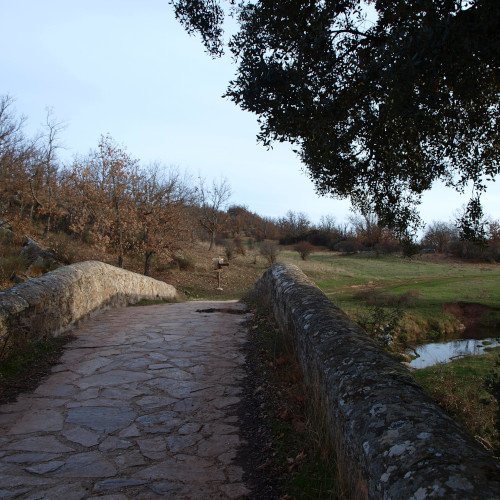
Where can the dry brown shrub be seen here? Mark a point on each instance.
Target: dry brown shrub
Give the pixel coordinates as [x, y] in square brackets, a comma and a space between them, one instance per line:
[375, 297]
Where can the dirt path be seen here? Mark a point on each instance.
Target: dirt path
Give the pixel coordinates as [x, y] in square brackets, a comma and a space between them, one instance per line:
[142, 405]
[382, 285]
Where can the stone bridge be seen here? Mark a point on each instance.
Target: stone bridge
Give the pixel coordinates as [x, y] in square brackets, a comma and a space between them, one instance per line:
[144, 403]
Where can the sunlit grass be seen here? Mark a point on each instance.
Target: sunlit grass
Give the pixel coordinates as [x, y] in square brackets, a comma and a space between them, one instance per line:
[342, 277]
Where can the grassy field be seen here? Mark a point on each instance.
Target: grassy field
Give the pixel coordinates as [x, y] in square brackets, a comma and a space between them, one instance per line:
[418, 287]
[468, 388]
[363, 285]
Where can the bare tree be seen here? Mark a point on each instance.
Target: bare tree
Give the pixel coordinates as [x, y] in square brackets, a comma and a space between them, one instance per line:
[328, 223]
[439, 235]
[11, 136]
[270, 251]
[47, 168]
[294, 227]
[212, 201]
[267, 228]
[161, 197]
[304, 249]
[15, 153]
[103, 183]
[368, 231]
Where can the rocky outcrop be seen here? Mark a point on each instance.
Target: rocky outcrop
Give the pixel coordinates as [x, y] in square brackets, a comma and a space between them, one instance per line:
[398, 443]
[39, 257]
[48, 305]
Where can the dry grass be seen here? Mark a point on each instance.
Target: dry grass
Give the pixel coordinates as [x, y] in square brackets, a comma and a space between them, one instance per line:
[10, 260]
[304, 452]
[23, 368]
[199, 281]
[190, 271]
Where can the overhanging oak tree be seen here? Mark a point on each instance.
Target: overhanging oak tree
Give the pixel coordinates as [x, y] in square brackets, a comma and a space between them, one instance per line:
[377, 110]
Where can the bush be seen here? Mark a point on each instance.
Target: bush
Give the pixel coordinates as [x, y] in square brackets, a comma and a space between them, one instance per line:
[238, 245]
[410, 248]
[387, 247]
[304, 248]
[10, 266]
[382, 318]
[10, 261]
[350, 245]
[493, 251]
[161, 265]
[319, 238]
[374, 297]
[229, 249]
[220, 238]
[473, 251]
[270, 251]
[380, 323]
[64, 247]
[184, 262]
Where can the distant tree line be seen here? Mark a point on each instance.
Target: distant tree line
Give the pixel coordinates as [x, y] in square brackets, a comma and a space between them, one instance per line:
[109, 200]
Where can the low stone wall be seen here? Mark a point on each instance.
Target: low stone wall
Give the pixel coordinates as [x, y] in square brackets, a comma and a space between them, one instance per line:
[51, 303]
[398, 443]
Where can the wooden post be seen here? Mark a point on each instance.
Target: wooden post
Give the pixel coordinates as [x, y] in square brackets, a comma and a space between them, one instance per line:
[218, 265]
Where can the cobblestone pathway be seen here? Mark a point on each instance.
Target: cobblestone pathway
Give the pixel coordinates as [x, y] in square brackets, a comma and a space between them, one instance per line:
[142, 406]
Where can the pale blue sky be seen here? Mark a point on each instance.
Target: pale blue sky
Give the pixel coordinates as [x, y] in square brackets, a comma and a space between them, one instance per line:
[126, 67]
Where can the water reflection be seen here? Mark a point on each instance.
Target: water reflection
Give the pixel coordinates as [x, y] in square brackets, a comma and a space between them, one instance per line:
[432, 354]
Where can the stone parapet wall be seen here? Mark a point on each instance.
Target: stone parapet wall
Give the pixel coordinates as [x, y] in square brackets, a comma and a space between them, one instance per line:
[51, 303]
[398, 443]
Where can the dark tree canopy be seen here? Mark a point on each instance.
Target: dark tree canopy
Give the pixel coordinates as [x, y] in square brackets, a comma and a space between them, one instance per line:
[378, 111]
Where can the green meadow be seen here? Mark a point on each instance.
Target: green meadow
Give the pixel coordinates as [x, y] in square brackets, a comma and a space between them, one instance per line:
[418, 287]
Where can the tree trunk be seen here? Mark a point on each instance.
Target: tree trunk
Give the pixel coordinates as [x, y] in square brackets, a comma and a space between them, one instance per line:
[49, 205]
[120, 258]
[212, 241]
[120, 232]
[147, 263]
[47, 228]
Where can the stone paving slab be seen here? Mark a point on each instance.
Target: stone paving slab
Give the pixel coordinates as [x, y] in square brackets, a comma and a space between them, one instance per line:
[142, 405]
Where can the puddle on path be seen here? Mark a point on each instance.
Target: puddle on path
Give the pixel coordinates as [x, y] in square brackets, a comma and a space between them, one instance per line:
[226, 311]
